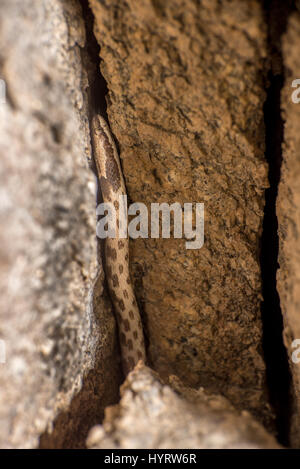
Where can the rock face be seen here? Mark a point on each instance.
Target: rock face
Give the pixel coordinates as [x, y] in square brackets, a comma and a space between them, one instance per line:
[152, 415]
[53, 336]
[288, 211]
[185, 104]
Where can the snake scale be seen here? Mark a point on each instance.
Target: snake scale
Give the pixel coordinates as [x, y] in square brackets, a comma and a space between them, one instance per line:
[121, 291]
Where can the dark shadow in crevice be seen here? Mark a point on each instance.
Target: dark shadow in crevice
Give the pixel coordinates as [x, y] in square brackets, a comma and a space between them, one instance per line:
[277, 366]
[91, 60]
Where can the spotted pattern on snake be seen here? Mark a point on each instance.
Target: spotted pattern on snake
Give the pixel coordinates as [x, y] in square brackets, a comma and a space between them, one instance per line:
[112, 185]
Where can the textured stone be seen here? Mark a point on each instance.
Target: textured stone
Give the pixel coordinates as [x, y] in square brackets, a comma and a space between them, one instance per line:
[48, 259]
[185, 103]
[152, 415]
[288, 211]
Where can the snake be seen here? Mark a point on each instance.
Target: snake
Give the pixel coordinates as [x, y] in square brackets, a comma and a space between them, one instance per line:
[116, 265]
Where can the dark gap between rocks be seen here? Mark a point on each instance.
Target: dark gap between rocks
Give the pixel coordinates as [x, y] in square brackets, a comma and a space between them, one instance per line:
[277, 366]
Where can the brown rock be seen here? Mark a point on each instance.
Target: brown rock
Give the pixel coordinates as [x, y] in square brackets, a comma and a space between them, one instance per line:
[185, 104]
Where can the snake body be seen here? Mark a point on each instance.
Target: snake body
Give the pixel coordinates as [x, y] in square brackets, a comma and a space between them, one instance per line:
[117, 249]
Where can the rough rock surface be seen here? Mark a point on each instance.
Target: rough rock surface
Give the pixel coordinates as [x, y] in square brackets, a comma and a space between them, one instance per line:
[288, 211]
[152, 415]
[48, 258]
[185, 103]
